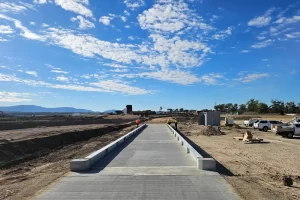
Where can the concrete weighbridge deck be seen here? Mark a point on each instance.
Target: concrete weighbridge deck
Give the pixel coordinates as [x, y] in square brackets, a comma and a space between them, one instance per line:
[152, 165]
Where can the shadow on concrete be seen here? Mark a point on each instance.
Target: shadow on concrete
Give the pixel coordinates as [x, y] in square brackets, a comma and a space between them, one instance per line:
[104, 161]
[220, 168]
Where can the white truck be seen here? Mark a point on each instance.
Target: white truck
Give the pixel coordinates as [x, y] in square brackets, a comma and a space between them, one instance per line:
[265, 125]
[250, 122]
[229, 121]
[289, 130]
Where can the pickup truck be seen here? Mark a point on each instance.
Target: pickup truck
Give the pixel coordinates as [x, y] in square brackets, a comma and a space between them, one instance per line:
[265, 125]
[250, 122]
[288, 131]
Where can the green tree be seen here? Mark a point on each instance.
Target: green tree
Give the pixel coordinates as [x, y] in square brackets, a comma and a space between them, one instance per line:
[290, 107]
[242, 108]
[277, 106]
[252, 105]
[181, 109]
[262, 108]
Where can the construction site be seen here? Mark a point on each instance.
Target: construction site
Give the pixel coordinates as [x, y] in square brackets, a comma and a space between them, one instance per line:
[35, 153]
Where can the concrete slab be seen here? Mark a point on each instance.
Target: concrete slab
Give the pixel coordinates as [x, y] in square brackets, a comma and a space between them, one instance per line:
[151, 166]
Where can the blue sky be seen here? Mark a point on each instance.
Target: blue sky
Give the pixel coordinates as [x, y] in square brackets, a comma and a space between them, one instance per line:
[100, 54]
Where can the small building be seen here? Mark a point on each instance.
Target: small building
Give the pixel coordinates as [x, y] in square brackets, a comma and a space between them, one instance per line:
[209, 118]
[129, 109]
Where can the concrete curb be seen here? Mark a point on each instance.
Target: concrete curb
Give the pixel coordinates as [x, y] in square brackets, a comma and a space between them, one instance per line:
[84, 164]
[201, 163]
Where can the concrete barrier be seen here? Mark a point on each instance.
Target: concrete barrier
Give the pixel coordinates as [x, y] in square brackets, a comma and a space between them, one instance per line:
[84, 164]
[201, 163]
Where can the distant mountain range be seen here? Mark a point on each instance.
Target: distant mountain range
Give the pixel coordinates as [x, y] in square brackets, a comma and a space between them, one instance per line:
[110, 111]
[35, 109]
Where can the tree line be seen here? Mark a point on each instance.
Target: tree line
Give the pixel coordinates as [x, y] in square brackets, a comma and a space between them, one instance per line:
[253, 105]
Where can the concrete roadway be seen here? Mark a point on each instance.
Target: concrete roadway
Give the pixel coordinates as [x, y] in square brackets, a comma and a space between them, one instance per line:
[152, 165]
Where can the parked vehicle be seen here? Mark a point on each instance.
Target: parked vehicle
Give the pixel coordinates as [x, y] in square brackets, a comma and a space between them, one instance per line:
[288, 131]
[250, 122]
[265, 125]
[229, 121]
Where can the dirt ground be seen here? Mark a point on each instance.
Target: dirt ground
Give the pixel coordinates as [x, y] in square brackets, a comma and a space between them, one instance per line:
[254, 170]
[30, 133]
[17, 122]
[23, 180]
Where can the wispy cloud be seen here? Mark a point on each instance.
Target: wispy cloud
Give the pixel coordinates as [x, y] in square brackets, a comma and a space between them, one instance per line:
[63, 79]
[246, 78]
[263, 20]
[25, 32]
[262, 44]
[212, 79]
[33, 73]
[75, 6]
[11, 7]
[83, 23]
[6, 29]
[245, 51]
[14, 97]
[109, 86]
[133, 4]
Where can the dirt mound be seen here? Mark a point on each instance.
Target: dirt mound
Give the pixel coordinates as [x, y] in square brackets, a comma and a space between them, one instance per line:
[205, 130]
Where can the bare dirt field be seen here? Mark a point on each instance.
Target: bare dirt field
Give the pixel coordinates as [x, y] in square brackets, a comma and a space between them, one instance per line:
[35, 151]
[254, 170]
[23, 180]
[11, 123]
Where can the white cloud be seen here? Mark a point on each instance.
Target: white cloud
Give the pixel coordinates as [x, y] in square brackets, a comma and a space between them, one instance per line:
[11, 7]
[76, 6]
[131, 38]
[171, 18]
[262, 44]
[245, 51]
[86, 76]
[63, 79]
[126, 13]
[25, 32]
[4, 67]
[180, 77]
[261, 37]
[127, 26]
[3, 40]
[33, 73]
[261, 21]
[6, 29]
[32, 23]
[105, 20]
[293, 35]
[246, 78]
[120, 87]
[119, 70]
[212, 79]
[59, 71]
[265, 59]
[40, 1]
[284, 20]
[123, 18]
[101, 86]
[115, 65]
[14, 97]
[83, 23]
[133, 4]
[222, 34]
[45, 25]
[119, 39]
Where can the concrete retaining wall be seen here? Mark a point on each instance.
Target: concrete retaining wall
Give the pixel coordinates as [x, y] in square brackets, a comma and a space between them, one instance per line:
[201, 163]
[86, 163]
